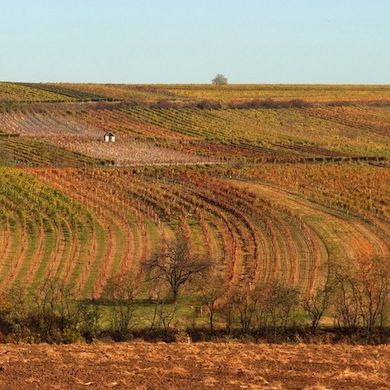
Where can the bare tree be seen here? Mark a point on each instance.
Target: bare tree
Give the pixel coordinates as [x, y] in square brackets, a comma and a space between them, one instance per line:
[90, 315]
[280, 302]
[163, 315]
[371, 288]
[178, 265]
[363, 292]
[121, 291]
[211, 295]
[246, 304]
[316, 303]
[220, 79]
[227, 311]
[345, 304]
[54, 310]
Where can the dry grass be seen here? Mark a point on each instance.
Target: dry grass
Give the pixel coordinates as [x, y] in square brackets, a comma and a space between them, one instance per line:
[195, 366]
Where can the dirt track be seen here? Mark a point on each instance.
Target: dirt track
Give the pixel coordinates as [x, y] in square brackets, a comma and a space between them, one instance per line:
[195, 366]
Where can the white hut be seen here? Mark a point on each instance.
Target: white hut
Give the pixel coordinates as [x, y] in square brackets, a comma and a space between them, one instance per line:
[109, 137]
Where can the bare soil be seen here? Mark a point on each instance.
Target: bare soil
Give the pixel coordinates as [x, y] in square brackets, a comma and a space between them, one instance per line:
[194, 366]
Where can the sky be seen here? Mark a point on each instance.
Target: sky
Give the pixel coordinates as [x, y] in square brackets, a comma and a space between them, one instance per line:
[187, 41]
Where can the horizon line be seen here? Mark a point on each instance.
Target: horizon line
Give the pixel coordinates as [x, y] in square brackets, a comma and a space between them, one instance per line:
[202, 83]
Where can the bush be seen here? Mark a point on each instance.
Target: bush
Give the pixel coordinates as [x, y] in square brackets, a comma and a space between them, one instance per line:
[208, 105]
[121, 291]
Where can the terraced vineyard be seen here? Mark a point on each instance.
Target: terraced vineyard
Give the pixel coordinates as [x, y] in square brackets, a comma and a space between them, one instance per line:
[237, 93]
[266, 193]
[312, 93]
[32, 152]
[194, 135]
[122, 91]
[11, 92]
[318, 94]
[73, 94]
[87, 225]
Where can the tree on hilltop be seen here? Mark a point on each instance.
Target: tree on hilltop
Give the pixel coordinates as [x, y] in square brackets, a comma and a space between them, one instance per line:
[220, 79]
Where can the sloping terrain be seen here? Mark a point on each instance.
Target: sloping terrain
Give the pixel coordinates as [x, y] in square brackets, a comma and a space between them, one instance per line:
[87, 225]
[267, 192]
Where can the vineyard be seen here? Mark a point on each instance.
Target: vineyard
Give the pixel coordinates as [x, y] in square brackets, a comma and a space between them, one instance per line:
[87, 225]
[269, 193]
[29, 152]
[316, 94]
[236, 93]
[191, 135]
[11, 92]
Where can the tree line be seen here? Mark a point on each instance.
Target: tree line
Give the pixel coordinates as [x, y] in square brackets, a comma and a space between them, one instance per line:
[354, 299]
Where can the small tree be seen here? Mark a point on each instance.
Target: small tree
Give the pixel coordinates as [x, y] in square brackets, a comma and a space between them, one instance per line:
[246, 304]
[363, 292]
[372, 291]
[178, 265]
[54, 317]
[345, 303]
[121, 291]
[163, 315]
[315, 305]
[211, 294]
[90, 315]
[280, 302]
[220, 79]
[318, 301]
[15, 313]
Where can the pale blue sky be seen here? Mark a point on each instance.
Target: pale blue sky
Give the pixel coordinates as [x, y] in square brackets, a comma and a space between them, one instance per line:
[179, 41]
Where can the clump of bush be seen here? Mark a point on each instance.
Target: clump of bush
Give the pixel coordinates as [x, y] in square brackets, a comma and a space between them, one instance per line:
[51, 314]
[357, 297]
[270, 103]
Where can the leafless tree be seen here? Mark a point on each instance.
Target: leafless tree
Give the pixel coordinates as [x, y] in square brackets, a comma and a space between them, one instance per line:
[227, 312]
[122, 291]
[245, 304]
[90, 315]
[211, 295]
[345, 304]
[363, 292]
[163, 315]
[177, 265]
[316, 304]
[372, 292]
[280, 302]
[54, 304]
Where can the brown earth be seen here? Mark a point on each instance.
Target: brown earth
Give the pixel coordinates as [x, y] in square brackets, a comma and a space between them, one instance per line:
[194, 366]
